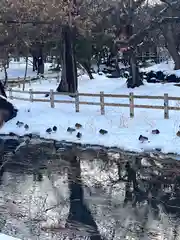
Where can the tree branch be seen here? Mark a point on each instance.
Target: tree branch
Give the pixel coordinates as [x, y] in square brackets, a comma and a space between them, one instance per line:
[139, 36]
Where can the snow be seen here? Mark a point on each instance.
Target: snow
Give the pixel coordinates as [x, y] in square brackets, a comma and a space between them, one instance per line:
[166, 67]
[123, 132]
[6, 237]
[17, 69]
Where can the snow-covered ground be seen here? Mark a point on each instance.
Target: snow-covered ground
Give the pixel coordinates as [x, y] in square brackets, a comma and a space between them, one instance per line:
[166, 67]
[17, 69]
[6, 237]
[123, 132]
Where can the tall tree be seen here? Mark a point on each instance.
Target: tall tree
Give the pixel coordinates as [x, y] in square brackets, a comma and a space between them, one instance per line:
[69, 68]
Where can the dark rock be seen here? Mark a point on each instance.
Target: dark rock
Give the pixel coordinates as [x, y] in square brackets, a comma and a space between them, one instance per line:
[142, 75]
[105, 70]
[126, 74]
[11, 134]
[130, 83]
[100, 73]
[10, 145]
[172, 78]
[29, 135]
[114, 74]
[150, 75]
[152, 80]
[160, 75]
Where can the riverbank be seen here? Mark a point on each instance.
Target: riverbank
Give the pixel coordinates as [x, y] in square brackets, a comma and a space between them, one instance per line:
[123, 131]
[37, 152]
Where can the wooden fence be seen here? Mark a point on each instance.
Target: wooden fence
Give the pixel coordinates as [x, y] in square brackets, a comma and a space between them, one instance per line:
[76, 101]
[20, 80]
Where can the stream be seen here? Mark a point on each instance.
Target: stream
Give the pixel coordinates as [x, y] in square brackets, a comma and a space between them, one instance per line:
[59, 190]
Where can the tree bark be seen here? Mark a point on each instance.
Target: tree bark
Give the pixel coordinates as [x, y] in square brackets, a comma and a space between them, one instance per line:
[134, 80]
[38, 58]
[87, 67]
[2, 91]
[69, 68]
[171, 45]
[34, 63]
[5, 75]
[25, 73]
[63, 85]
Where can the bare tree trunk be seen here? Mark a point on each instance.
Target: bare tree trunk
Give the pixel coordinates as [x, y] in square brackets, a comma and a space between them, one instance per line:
[136, 81]
[5, 75]
[2, 91]
[69, 68]
[171, 45]
[34, 63]
[25, 73]
[87, 67]
[63, 85]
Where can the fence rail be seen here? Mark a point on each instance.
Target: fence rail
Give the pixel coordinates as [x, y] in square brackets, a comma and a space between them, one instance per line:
[17, 81]
[102, 103]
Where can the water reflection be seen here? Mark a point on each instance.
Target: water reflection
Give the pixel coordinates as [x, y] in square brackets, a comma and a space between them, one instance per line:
[61, 196]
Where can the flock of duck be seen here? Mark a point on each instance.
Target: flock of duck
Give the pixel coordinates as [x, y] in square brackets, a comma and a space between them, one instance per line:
[156, 131]
[78, 126]
[70, 130]
[145, 139]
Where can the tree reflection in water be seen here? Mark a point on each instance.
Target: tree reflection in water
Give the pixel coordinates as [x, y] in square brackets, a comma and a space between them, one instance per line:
[79, 213]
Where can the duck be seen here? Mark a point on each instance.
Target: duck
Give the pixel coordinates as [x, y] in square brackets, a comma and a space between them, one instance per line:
[54, 129]
[78, 125]
[143, 138]
[49, 130]
[71, 130]
[156, 131]
[103, 132]
[79, 135]
[178, 134]
[19, 124]
[26, 127]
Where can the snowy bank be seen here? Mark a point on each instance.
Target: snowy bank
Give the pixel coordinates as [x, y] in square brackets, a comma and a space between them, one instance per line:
[123, 132]
[166, 67]
[6, 237]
